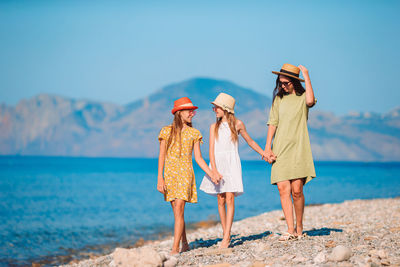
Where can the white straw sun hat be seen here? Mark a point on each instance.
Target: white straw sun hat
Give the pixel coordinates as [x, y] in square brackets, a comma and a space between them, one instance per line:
[226, 102]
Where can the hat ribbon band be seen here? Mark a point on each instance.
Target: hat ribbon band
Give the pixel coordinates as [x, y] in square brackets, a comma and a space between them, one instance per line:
[185, 105]
[289, 72]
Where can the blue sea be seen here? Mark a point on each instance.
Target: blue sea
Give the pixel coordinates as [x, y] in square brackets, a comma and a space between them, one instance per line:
[56, 209]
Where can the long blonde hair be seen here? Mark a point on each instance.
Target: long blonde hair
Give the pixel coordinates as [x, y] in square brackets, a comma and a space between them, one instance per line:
[232, 126]
[176, 130]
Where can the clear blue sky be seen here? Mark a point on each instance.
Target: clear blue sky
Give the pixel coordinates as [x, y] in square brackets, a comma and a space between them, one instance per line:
[120, 51]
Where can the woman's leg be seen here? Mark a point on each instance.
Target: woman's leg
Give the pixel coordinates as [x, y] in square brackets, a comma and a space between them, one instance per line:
[178, 206]
[286, 202]
[298, 201]
[222, 211]
[230, 205]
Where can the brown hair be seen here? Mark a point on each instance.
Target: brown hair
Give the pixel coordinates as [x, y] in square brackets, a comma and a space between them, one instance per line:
[232, 125]
[278, 91]
[176, 130]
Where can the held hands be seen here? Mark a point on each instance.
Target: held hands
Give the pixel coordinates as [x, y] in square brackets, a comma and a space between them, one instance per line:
[161, 185]
[269, 156]
[216, 177]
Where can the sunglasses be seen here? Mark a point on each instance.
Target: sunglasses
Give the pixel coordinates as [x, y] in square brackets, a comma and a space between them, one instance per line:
[281, 84]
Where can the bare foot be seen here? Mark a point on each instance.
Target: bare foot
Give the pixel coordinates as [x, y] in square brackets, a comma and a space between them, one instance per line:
[299, 231]
[185, 247]
[225, 243]
[174, 252]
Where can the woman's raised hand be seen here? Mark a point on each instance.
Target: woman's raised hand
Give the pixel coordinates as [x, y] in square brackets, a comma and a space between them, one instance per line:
[304, 70]
[161, 185]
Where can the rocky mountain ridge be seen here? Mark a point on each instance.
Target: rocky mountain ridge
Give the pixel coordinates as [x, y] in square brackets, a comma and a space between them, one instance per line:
[53, 125]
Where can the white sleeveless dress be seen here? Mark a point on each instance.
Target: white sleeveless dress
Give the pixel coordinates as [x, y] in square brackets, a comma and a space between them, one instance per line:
[228, 165]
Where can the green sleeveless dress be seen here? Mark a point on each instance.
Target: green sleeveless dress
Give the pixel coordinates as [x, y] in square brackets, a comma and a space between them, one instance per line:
[291, 143]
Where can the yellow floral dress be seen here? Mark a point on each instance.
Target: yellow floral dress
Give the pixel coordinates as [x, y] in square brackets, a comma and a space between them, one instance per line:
[178, 168]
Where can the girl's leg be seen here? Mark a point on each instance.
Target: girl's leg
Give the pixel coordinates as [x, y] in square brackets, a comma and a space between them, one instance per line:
[230, 204]
[178, 206]
[286, 202]
[222, 211]
[298, 201]
[185, 244]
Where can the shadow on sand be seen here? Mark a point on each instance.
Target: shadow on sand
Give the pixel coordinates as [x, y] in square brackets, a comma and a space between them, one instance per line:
[241, 240]
[235, 240]
[322, 231]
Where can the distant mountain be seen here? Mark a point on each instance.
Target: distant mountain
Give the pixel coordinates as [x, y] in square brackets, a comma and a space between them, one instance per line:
[55, 125]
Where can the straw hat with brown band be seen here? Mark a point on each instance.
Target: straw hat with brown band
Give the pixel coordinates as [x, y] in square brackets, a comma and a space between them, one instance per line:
[290, 71]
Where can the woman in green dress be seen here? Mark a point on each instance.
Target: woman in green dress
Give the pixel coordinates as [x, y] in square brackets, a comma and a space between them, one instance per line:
[290, 150]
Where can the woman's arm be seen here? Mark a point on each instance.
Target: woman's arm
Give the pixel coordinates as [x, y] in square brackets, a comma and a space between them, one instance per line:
[241, 128]
[161, 159]
[271, 132]
[310, 98]
[203, 165]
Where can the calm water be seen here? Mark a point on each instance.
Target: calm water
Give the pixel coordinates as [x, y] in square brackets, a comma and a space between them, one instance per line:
[52, 209]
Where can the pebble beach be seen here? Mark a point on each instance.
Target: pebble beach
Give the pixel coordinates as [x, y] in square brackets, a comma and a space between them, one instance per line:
[352, 233]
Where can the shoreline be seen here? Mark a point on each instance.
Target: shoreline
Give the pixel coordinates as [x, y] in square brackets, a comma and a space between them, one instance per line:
[370, 229]
[95, 251]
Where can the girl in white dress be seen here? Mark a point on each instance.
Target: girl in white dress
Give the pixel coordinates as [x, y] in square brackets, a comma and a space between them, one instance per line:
[225, 161]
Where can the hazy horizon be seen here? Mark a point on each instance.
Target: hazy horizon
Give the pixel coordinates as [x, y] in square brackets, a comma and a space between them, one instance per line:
[138, 99]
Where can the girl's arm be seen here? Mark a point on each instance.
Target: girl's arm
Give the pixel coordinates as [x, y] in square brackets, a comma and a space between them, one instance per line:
[271, 132]
[203, 165]
[241, 128]
[212, 151]
[310, 99]
[161, 159]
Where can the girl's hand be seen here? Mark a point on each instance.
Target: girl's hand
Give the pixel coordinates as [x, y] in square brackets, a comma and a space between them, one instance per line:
[218, 176]
[161, 185]
[268, 158]
[215, 181]
[265, 156]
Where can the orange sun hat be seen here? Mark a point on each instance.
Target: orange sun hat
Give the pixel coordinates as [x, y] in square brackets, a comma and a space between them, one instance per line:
[183, 103]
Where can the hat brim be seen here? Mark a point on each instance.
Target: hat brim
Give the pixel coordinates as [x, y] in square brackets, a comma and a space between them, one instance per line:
[219, 105]
[183, 108]
[285, 74]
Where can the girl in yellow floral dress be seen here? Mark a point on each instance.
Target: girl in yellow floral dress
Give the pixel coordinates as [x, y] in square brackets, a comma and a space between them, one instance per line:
[177, 141]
